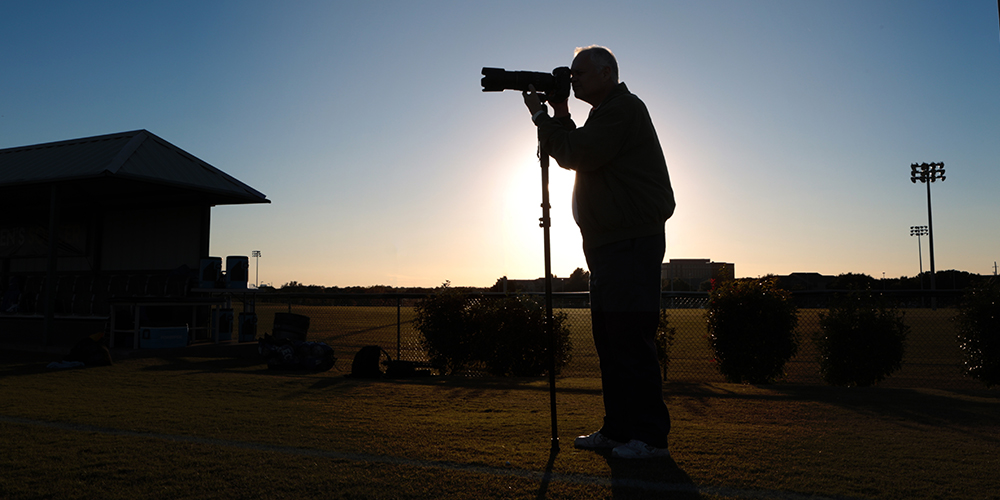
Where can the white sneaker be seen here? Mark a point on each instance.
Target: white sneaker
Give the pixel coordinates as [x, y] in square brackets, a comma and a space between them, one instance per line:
[638, 449]
[595, 441]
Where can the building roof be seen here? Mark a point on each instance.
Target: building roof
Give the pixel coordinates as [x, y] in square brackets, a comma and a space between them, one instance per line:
[127, 167]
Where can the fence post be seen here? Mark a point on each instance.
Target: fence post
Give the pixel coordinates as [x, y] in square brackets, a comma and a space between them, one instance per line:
[399, 328]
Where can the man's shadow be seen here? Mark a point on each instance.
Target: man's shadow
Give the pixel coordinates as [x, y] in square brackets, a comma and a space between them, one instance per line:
[649, 478]
[637, 479]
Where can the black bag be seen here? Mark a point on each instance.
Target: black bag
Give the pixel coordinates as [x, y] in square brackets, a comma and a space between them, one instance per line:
[367, 362]
[288, 354]
[91, 351]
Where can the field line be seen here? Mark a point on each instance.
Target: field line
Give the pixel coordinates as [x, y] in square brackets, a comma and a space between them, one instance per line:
[546, 477]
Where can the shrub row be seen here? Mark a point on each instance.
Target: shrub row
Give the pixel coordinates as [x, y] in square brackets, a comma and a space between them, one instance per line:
[751, 331]
[501, 336]
[861, 341]
[751, 324]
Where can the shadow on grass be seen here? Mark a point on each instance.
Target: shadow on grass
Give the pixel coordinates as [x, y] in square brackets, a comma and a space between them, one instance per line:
[19, 363]
[537, 384]
[21, 369]
[547, 476]
[959, 410]
[649, 478]
[208, 365]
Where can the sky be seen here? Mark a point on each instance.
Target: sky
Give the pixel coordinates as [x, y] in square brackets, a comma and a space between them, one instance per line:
[789, 127]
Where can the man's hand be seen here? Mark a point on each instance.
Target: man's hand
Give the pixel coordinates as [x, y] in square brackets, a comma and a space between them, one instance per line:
[534, 104]
[531, 100]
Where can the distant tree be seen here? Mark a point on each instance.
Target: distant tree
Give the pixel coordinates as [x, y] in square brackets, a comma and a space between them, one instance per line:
[789, 283]
[295, 286]
[905, 283]
[579, 281]
[499, 285]
[851, 281]
[955, 280]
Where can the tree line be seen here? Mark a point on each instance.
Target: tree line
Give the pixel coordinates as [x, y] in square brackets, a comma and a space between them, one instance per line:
[579, 280]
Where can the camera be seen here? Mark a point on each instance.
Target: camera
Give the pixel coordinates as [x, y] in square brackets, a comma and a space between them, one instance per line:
[553, 87]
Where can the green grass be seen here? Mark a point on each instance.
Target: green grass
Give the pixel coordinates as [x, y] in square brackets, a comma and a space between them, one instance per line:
[206, 427]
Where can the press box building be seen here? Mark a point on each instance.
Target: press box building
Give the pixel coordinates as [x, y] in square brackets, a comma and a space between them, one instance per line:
[131, 216]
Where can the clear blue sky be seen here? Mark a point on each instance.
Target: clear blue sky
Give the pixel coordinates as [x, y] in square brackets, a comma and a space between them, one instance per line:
[789, 127]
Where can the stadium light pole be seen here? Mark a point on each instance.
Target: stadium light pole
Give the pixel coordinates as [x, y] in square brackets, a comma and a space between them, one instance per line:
[256, 272]
[928, 173]
[919, 231]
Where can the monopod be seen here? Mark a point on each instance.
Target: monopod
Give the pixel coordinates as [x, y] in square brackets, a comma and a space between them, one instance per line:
[545, 222]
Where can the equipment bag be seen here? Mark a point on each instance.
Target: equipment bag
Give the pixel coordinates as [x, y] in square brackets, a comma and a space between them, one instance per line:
[367, 362]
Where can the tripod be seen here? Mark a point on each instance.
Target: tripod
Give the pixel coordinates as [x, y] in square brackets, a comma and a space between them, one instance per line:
[544, 223]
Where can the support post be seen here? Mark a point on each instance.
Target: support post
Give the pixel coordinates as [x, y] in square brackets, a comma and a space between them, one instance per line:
[545, 222]
[50, 271]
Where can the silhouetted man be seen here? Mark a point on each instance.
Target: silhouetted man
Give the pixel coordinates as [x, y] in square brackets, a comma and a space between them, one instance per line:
[621, 200]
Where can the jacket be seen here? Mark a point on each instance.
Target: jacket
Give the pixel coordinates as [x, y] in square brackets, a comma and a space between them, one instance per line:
[622, 187]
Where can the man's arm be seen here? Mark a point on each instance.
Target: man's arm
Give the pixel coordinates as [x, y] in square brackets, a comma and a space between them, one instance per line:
[592, 146]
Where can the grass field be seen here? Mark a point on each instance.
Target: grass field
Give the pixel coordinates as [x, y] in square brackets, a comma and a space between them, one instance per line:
[177, 425]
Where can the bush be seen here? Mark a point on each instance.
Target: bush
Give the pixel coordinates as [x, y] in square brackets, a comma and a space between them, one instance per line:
[861, 340]
[504, 337]
[664, 341]
[513, 337]
[444, 320]
[751, 329]
[979, 332]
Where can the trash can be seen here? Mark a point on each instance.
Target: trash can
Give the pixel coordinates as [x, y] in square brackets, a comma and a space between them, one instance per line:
[237, 271]
[210, 272]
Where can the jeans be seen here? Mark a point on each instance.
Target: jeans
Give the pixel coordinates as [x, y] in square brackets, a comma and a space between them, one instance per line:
[624, 311]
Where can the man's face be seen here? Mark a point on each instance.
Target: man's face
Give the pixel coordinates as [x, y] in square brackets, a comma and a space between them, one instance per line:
[588, 80]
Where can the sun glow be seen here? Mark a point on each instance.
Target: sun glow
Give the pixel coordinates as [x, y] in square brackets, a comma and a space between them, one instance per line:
[522, 235]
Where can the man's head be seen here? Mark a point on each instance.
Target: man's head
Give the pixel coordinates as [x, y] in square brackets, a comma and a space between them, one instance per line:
[595, 74]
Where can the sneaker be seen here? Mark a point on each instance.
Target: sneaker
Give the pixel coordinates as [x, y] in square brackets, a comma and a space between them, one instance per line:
[638, 449]
[595, 441]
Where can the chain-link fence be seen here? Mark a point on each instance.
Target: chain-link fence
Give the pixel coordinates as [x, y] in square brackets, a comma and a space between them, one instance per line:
[349, 322]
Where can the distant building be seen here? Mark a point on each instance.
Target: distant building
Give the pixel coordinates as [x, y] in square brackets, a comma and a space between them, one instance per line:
[805, 281]
[536, 285]
[694, 272]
